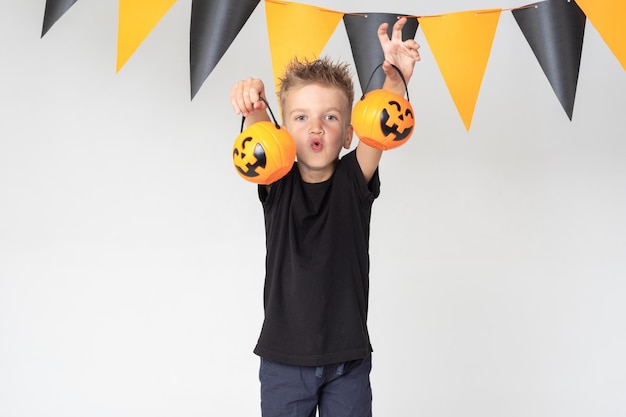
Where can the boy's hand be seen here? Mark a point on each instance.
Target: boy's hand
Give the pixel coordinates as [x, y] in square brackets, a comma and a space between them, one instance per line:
[402, 54]
[245, 97]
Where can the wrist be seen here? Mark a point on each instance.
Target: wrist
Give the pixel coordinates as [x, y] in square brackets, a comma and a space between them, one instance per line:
[395, 85]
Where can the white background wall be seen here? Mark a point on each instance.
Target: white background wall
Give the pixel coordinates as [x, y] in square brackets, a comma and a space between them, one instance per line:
[131, 254]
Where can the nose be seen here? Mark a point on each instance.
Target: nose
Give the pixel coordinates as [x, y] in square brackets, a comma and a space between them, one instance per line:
[315, 128]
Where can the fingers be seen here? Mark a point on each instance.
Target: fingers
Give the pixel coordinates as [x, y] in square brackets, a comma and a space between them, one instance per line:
[413, 48]
[245, 96]
[395, 45]
[396, 31]
[382, 33]
[389, 70]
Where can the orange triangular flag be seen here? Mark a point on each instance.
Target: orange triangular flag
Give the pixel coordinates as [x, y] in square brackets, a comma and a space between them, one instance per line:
[297, 30]
[608, 17]
[137, 18]
[461, 44]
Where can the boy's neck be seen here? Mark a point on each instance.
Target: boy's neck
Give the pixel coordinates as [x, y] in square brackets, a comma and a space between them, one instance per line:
[314, 176]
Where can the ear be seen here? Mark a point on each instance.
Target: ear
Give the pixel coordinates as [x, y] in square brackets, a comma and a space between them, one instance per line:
[348, 138]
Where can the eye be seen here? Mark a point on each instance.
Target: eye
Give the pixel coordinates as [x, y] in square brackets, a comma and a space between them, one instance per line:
[300, 117]
[396, 104]
[331, 117]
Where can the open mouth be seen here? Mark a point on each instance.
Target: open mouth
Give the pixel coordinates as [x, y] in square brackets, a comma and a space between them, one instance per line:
[316, 145]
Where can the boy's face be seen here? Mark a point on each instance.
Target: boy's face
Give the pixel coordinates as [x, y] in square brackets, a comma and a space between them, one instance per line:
[317, 117]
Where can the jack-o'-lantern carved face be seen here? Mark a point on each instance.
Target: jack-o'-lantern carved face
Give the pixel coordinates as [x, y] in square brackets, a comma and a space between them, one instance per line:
[250, 158]
[397, 121]
[383, 120]
[263, 153]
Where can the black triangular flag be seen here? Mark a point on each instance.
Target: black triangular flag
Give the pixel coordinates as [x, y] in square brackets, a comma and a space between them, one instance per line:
[54, 10]
[214, 26]
[554, 30]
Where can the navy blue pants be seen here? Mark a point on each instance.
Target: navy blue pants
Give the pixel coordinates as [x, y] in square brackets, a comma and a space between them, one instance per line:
[338, 390]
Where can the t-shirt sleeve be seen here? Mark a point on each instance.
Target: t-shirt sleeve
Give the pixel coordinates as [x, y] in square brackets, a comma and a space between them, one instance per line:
[369, 190]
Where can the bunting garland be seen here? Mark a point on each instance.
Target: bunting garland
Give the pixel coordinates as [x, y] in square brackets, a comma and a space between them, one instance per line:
[460, 42]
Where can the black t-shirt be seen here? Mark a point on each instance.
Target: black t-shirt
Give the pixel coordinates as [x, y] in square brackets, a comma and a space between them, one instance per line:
[317, 267]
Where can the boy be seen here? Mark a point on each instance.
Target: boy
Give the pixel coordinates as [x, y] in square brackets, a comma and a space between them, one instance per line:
[314, 345]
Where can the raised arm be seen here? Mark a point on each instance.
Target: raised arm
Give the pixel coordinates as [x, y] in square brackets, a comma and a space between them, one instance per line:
[404, 55]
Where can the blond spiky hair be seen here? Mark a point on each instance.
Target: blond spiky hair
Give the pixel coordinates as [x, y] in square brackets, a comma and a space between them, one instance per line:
[322, 71]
